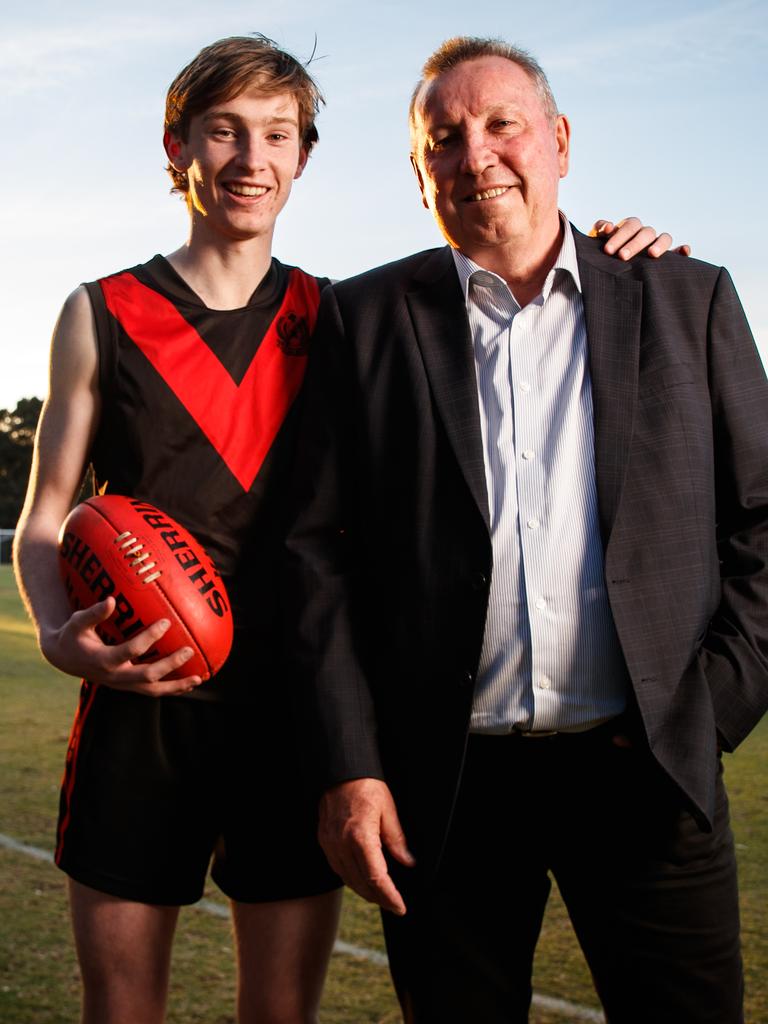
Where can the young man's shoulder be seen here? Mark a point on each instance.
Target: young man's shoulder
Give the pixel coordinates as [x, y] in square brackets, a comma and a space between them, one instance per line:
[322, 282]
[138, 269]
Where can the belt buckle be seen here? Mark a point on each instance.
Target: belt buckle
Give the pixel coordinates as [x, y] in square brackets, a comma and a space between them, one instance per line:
[535, 734]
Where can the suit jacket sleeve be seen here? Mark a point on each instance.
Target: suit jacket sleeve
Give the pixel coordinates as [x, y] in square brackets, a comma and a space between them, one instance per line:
[319, 580]
[734, 652]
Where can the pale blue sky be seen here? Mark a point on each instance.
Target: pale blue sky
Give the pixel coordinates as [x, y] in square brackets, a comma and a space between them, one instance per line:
[667, 102]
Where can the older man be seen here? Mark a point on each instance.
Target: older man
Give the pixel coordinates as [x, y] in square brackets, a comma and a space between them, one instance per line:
[532, 547]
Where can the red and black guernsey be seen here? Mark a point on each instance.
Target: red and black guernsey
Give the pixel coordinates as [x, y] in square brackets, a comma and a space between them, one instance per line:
[198, 418]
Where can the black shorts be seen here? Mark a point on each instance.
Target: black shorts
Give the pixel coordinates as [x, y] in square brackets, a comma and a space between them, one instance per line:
[156, 787]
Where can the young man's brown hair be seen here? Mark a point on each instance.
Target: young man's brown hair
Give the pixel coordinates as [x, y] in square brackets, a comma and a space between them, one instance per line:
[226, 68]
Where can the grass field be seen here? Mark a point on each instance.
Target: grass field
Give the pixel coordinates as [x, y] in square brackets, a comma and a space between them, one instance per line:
[38, 974]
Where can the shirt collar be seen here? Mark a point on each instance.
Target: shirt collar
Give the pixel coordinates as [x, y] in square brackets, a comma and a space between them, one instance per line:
[471, 272]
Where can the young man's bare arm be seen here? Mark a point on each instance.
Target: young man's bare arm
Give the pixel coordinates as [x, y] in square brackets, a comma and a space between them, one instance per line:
[66, 431]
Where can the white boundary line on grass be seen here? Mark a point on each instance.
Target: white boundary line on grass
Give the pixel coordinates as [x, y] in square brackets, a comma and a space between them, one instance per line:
[29, 851]
[573, 1011]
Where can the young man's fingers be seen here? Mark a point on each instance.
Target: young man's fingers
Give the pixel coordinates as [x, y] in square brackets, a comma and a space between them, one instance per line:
[154, 671]
[164, 688]
[639, 241]
[150, 678]
[660, 246]
[623, 231]
[124, 672]
[140, 644]
[602, 227]
[87, 618]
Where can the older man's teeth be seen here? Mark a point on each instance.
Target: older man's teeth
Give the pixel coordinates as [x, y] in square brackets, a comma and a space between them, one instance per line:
[490, 194]
[247, 190]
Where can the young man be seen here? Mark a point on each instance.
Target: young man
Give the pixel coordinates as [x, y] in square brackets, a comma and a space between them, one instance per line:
[157, 374]
[176, 380]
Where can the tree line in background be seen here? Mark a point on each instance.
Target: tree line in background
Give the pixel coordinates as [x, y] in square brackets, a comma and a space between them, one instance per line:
[17, 436]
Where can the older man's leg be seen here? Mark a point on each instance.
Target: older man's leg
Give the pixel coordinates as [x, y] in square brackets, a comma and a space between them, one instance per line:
[654, 899]
[464, 950]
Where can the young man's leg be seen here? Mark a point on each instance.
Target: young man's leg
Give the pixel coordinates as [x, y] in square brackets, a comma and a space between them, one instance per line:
[285, 898]
[135, 837]
[124, 950]
[283, 949]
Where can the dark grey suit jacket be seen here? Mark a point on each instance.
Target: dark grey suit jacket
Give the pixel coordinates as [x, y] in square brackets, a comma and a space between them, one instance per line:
[390, 553]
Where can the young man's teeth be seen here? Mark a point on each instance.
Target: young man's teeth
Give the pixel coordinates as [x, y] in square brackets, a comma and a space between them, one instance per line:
[490, 194]
[247, 190]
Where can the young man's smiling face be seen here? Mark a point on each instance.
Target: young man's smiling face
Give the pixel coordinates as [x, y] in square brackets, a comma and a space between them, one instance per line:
[241, 159]
[488, 155]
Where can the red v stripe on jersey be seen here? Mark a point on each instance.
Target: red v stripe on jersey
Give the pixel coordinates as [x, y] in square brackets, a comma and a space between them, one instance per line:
[241, 421]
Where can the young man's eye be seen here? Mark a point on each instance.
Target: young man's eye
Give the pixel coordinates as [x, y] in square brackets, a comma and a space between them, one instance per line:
[224, 133]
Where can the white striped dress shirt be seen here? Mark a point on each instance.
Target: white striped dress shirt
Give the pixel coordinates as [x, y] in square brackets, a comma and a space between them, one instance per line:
[550, 658]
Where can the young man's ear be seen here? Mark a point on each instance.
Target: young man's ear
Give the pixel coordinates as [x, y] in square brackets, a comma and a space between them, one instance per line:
[174, 150]
[303, 157]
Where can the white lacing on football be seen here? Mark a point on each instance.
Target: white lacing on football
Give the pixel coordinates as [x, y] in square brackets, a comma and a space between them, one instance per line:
[127, 540]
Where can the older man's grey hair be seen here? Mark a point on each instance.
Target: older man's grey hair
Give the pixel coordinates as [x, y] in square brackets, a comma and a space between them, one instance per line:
[463, 48]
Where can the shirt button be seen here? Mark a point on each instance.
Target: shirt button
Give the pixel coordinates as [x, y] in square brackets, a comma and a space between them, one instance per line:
[525, 386]
[545, 682]
[529, 454]
[541, 602]
[533, 524]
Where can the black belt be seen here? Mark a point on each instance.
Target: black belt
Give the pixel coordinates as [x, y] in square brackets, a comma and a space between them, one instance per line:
[619, 724]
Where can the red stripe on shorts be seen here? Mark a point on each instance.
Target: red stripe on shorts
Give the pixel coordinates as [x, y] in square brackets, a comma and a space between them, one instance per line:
[87, 694]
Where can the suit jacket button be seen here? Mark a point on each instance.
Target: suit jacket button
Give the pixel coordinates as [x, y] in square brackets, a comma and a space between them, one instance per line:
[479, 581]
[466, 679]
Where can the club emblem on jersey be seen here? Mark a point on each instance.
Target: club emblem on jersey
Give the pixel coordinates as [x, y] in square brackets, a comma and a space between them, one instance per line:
[293, 335]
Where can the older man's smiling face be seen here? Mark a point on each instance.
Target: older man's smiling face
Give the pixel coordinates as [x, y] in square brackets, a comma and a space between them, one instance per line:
[489, 157]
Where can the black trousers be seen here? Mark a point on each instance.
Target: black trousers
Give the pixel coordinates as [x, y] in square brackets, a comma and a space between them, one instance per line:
[652, 897]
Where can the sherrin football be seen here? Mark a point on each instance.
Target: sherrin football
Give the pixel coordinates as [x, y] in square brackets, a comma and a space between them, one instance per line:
[154, 569]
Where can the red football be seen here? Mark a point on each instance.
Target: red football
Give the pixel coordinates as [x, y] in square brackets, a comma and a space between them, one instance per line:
[155, 569]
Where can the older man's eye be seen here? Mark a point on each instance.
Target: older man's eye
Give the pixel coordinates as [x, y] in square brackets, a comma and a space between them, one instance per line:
[506, 124]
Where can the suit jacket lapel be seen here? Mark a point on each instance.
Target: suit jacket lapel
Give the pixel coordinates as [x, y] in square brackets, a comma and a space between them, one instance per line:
[442, 332]
[612, 309]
